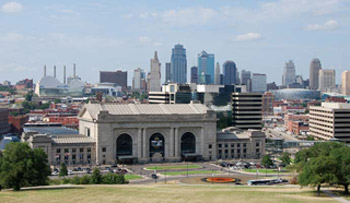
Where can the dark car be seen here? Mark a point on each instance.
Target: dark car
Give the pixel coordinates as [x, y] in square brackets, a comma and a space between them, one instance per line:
[223, 164]
[154, 176]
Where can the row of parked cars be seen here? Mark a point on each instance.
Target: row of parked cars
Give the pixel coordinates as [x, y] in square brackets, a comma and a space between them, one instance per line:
[248, 165]
[87, 170]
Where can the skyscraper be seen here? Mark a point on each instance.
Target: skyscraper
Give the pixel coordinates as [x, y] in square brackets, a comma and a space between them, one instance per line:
[206, 67]
[326, 80]
[167, 72]
[345, 82]
[259, 83]
[288, 74]
[139, 77]
[245, 77]
[194, 74]
[155, 74]
[230, 72]
[315, 68]
[178, 64]
[217, 74]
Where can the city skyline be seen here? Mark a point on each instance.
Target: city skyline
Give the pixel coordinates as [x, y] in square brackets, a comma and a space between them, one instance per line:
[66, 33]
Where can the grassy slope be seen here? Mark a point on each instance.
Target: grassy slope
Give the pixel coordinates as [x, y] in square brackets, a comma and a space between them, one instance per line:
[163, 193]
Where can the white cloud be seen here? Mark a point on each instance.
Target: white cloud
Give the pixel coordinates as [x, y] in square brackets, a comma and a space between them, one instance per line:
[144, 39]
[248, 37]
[70, 12]
[279, 10]
[12, 7]
[188, 16]
[11, 37]
[12, 67]
[328, 25]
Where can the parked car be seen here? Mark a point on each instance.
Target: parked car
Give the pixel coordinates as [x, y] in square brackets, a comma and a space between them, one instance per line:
[70, 172]
[54, 173]
[154, 176]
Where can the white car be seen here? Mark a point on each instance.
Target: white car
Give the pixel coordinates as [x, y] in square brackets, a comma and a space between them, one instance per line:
[70, 172]
[54, 173]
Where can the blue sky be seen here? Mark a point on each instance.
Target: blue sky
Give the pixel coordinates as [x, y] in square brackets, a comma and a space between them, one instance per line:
[108, 35]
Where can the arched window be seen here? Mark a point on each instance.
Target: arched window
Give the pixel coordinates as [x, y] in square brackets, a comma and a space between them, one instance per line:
[156, 144]
[188, 143]
[124, 145]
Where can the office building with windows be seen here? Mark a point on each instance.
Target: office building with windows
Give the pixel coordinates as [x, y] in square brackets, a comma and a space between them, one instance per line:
[206, 63]
[247, 110]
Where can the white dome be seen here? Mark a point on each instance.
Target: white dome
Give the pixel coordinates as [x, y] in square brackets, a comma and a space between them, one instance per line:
[49, 82]
[76, 83]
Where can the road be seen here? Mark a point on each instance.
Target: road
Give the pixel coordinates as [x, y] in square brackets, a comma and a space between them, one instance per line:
[279, 134]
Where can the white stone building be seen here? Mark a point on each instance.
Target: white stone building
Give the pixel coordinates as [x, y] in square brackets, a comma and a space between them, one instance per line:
[149, 132]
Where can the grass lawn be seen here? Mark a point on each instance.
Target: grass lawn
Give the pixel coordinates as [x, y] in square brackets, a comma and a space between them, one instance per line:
[132, 176]
[174, 167]
[164, 193]
[174, 173]
[265, 171]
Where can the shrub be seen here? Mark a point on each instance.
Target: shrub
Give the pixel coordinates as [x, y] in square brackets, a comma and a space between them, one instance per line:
[96, 177]
[85, 180]
[75, 180]
[111, 178]
[66, 181]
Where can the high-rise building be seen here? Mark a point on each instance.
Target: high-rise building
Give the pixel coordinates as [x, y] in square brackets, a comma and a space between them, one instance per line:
[288, 74]
[330, 121]
[258, 83]
[154, 78]
[326, 80]
[230, 71]
[345, 82]
[178, 64]
[168, 72]
[194, 74]
[217, 74]
[139, 77]
[117, 77]
[315, 67]
[206, 67]
[245, 76]
[267, 103]
[247, 110]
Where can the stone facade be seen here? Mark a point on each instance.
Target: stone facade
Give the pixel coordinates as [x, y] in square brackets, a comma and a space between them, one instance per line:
[233, 143]
[168, 123]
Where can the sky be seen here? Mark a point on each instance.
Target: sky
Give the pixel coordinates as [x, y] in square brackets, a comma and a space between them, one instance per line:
[260, 36]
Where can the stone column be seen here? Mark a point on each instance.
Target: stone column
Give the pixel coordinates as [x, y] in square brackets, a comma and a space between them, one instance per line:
[177, 143]
[139, 143]
[172, 143]
[144, 143]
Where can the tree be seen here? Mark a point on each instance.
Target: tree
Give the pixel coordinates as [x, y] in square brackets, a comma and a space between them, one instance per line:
[96, 177]
[29, 96]
[339, 153]
[266, 161]
[63, 170]
[21, 166]
[285, 158]
[319, 170]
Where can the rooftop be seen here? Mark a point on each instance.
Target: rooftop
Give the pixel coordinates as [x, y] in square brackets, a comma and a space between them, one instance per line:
[145, 109]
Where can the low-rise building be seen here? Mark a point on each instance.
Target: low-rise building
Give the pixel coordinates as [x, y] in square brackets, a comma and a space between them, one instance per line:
[330, 121]
[233, 143]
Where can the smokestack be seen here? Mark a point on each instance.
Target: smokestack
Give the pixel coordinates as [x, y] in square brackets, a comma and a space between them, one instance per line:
[64, 74]
[74, 71]
[54, 71]
[44, 70]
